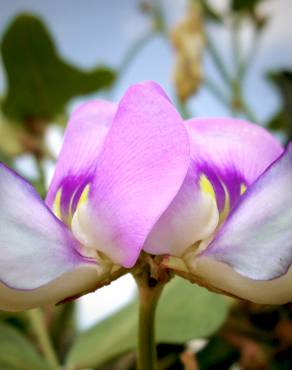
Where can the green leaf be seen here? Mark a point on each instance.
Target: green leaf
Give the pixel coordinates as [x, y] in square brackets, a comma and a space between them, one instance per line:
[283, 119]
[185, 311]
[40, 83]
[283, 80]
[209, 12]
[111, 337]
[246, 5]
[277, 122]
[17, 353]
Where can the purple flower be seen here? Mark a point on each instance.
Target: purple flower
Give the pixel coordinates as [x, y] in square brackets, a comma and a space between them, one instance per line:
[212, 197]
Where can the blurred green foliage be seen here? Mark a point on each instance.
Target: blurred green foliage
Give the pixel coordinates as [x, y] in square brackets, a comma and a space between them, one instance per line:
[209, 12]
[282, 120]
[184, 312]
[245, 5]
[39, 82]
[17, 352]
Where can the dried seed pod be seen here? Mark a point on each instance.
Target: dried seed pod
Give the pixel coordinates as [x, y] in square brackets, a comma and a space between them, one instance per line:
[188, 40]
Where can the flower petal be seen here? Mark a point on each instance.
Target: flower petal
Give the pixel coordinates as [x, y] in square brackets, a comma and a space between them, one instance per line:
[256, 239]
[71, 284]
[140, 169]
[35, 247]
[232, 153]
[84, 137]
[224, 279]
[191, 217]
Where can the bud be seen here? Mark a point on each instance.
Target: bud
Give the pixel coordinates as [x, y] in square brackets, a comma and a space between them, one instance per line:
[187, 38]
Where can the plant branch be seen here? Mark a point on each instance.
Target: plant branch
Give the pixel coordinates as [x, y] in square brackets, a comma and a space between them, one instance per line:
[134, 50]
[216, 91]
[149, 293]
[217, 60]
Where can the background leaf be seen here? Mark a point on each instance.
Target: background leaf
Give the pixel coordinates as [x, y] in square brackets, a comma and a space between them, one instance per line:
[185, 312]
[209, 12]
[17, 353]
[39, 82]
[248, 5]
[283, 119]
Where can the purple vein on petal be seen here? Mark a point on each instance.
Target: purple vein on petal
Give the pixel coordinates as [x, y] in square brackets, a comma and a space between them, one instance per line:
[232, 153]
[87, 128]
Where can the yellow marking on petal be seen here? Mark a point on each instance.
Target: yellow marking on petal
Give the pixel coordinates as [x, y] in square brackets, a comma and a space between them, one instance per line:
[83, 197]
[57, 204]
[224, 213]
[242, 189]
[69, 220]
[207, 187]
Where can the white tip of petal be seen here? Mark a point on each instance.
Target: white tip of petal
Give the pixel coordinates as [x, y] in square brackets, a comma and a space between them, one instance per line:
[70, 285]
[222, 277]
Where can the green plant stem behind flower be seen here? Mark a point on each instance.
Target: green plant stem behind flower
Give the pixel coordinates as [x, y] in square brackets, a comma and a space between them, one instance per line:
[149, 293]
[147, 357]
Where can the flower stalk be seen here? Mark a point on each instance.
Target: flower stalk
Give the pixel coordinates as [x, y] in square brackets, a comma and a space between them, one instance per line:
[148, 299]
[150, 280]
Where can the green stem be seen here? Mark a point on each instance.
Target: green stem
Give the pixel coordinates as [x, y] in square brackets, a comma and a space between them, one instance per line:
[234, 84]
[235, 40]
[133, 51]
[41, 183]
[216, 91]
[182, 108]
[130, 55]
[251, 55]
[37, 321]
[148, 299]
[159, 23]
[217, 60]
[239, 74]
[250, 115]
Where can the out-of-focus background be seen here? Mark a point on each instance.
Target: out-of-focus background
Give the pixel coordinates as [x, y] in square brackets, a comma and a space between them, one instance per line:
[215, 58]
